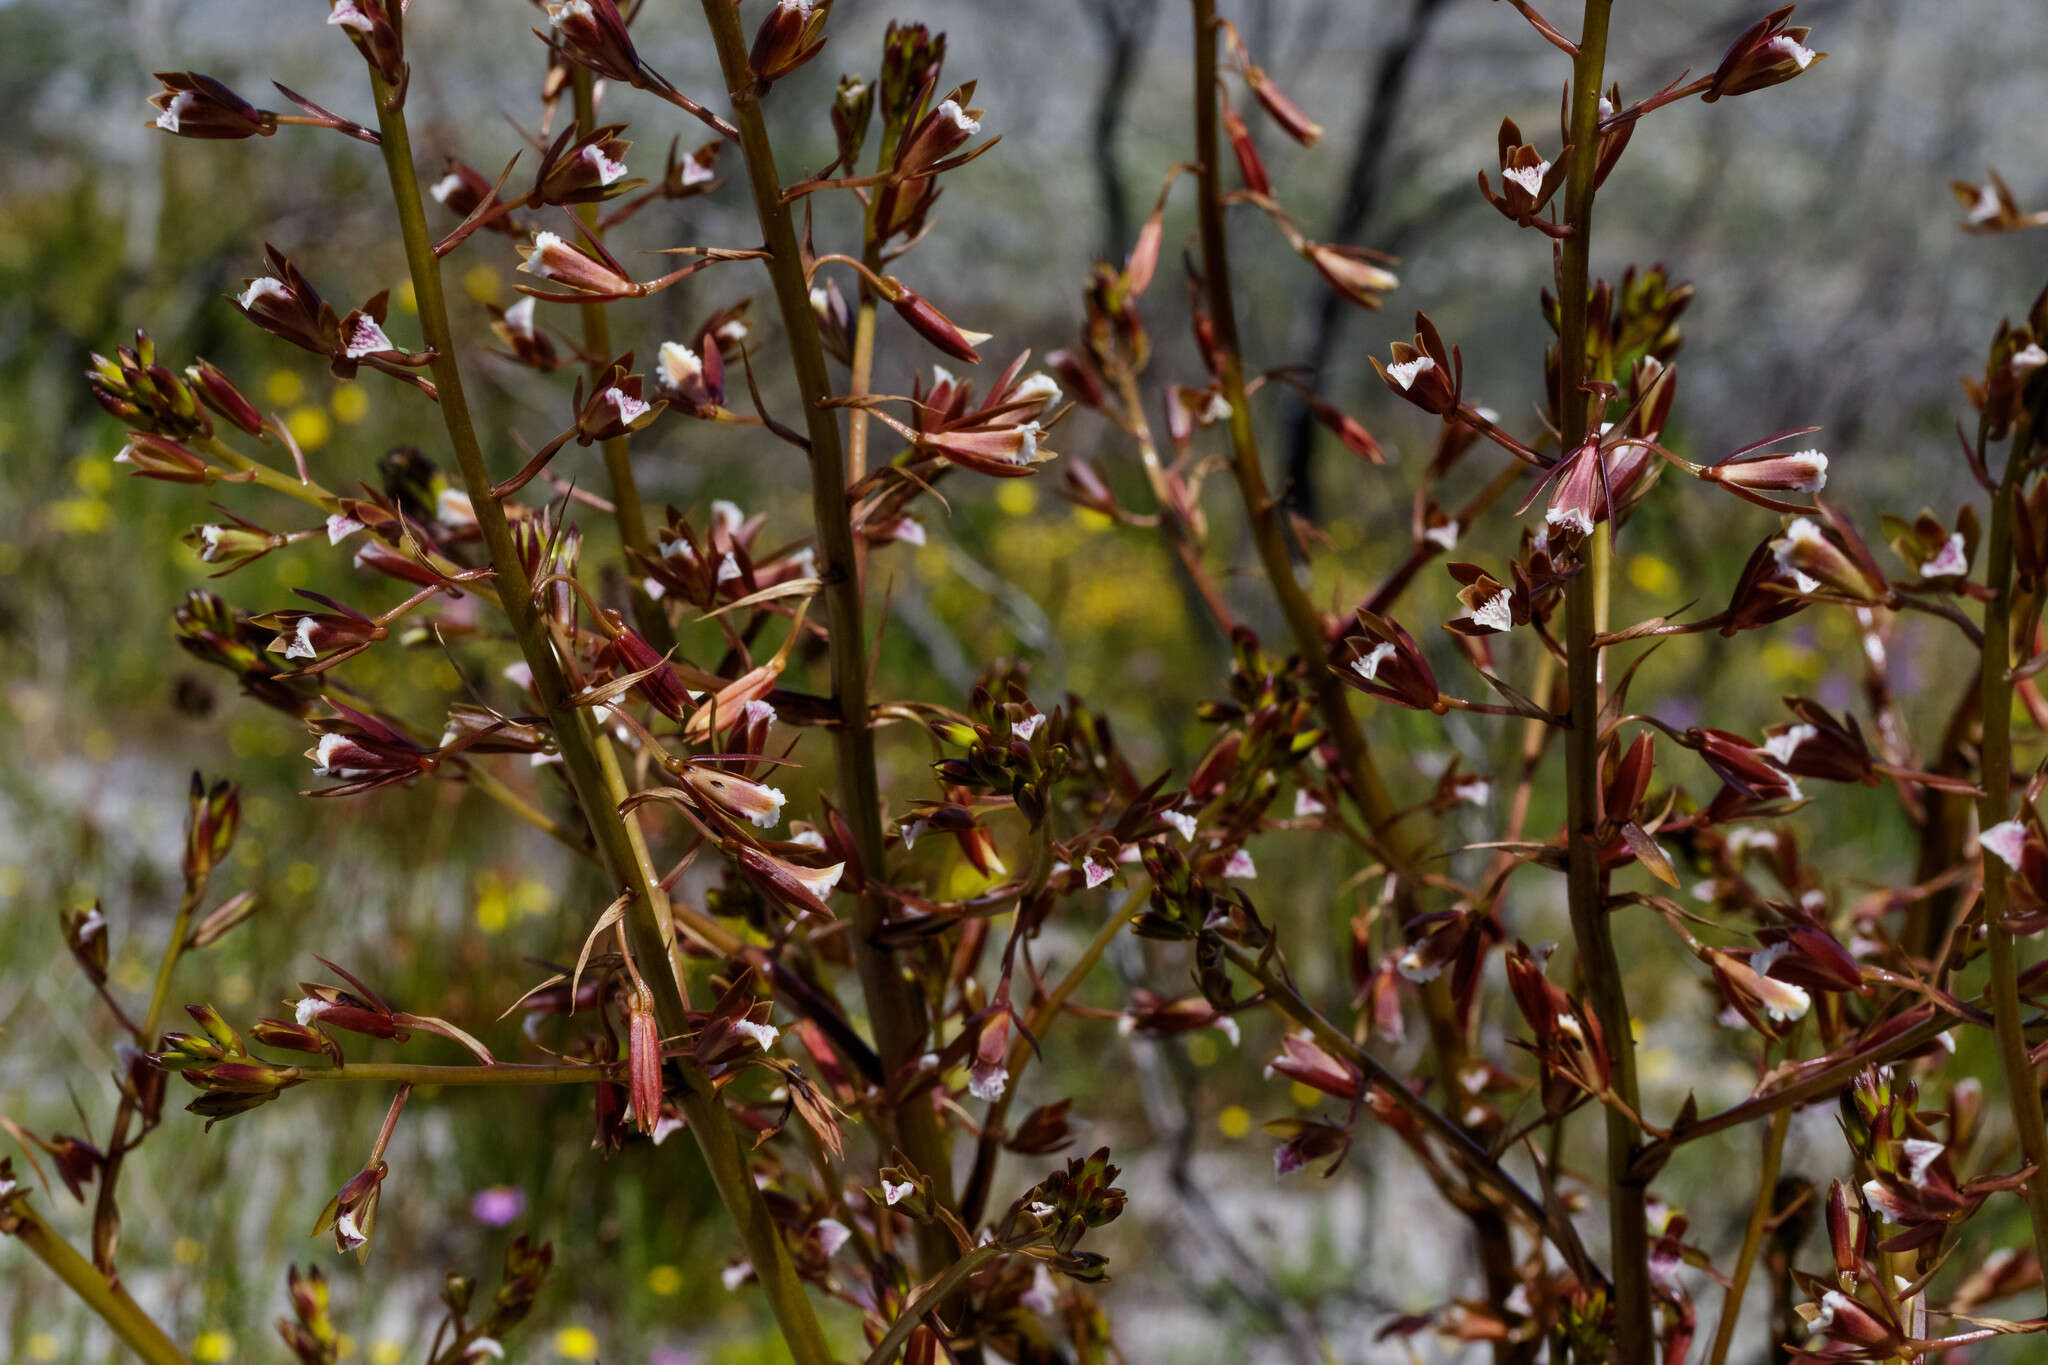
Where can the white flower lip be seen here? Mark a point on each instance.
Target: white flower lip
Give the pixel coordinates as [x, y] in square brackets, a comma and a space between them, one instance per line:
[951, 112]
[519, 317]
[1444, 536]
[312, 1007]
[629, 408]
[543, 243]
[302, 647]
[348, 15]
[570, 9]
[366, 338]
[1496, 612]
[168, 119]
[1367, 666]
[1241, 866]
[1181, 821]
[444, 189]
[1037, 387]
[1571, 518]
[1405, 373]
[2005, 841]
[1027, 727]
[608, 170]
[1530, 178]
[348, 1233]
[1820, 472]
[265, 287]
[1781, 747]
[678, 365]
[1800, 55]
[1411, 965]
[764, 1035]
[340, 527]
[987, 1083]
[1953, 561]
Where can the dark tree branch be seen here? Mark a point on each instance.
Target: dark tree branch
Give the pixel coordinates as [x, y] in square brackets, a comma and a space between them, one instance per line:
[1363, 182]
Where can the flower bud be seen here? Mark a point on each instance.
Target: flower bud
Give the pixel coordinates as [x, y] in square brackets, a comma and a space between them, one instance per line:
[1824, 555]
[934, 326]
[157, 457]
[853, 108]
[199, 106]
[85, 934]
[1804, 471]
[213, 816]
[1353, 271]
[592, 34]
[789, 36]
[1769, 53]
[218, 392]
[586, 171]
[551, 258]
[352, 1213]
[643, 1060]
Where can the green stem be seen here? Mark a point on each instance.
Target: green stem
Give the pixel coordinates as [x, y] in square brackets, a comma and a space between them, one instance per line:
[263, 476]
[1634, 1337]
[1752, 1236]
[592, 767]
[2022, 1082]
[106, 1217]
[1598, 964]
[894, 1007]
[627, 509]
[102, 1295]
[975, 1198]
[1403, 842]
[935, 1293]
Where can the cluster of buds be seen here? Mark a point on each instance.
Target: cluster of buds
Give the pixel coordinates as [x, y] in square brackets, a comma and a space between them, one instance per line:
[1059, 1209]
[231, 1080]
[1013, 751]
[147, 395]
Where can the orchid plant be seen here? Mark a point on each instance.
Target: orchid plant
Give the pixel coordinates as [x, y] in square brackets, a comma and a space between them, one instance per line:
[788, 982]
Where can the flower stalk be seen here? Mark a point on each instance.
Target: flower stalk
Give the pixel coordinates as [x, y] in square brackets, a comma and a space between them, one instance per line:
[894, 1010]
[101, 1293]
[628, 510]
[1634, 1337]
[591, 765]
[1995, 696]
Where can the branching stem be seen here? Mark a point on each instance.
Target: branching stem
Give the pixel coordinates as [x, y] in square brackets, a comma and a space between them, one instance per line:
[592, 767]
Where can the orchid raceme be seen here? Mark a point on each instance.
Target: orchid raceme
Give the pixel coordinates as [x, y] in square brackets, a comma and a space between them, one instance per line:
[728, 633]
